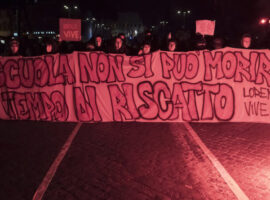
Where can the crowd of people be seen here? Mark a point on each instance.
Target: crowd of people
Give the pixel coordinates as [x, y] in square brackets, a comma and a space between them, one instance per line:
[117, 45]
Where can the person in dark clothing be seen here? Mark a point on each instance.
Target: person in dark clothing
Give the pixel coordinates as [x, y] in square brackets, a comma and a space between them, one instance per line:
[118, 46]
[218, 43]
[90, 46]
[13, 48]
[99, 44]
[200, 43]
[172, 45]
[50, 47]
[146, 48]
[246, 41]
[122, 36]
[128, 48]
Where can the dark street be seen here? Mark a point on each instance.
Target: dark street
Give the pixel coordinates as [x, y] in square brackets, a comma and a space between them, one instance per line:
[134, 161]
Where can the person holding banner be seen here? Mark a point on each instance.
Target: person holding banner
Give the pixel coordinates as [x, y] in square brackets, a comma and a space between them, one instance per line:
[146, 48]
[172, 45]
[99, 46]
[246, 41]
[118, 47]
[218, 43]
[50, 47]
[90, 46]
[200, 42]
[13, 48]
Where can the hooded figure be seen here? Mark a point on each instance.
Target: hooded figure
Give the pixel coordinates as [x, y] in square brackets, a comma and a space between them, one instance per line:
[13, 48]
[118, 46]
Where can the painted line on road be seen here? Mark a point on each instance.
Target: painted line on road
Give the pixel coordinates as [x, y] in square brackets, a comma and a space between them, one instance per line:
[52, 170]
[238, 192]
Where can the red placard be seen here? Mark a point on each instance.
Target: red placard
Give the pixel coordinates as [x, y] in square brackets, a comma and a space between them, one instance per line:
[205, 27]
[70, 29]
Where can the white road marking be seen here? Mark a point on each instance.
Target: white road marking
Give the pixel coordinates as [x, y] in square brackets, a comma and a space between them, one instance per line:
[51, 172]
[239, 193]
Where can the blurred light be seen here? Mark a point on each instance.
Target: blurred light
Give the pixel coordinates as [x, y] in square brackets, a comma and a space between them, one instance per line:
[188, 11]
[135, 32]
[39, 37]
[179, 12]
[42, 32]
[90, 33]
[2, 41]
[15, 34]
[27, 33]
[153, 26]
[269, 21]
[66, 7]
[184, 12]
[94, 19]
[87, 19]
[75, 7]
[263, 21]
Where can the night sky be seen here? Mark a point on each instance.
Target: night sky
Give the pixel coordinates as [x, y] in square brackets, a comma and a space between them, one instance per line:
[154, 9]
[229, 13]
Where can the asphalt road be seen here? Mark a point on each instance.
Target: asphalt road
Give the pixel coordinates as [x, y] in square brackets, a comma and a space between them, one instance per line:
[133, 161]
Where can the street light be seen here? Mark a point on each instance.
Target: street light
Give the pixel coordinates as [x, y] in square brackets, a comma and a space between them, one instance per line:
[179, 12]
[263, 21]
[75, 7]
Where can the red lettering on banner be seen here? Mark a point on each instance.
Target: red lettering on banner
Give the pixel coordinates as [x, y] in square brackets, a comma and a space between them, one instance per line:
[86, 110]
[40, 107]
[208, 91]
[243, 68]
[148, 110]
[162, 95]
[119, 104]
[21, 106]
[179, 102]
[11, 71]
[65, 69]
[2, 76]
[212, 62]
[41, 72]
[263, 71]
[188, 63]
[180, 68]
[26, 72]
[192, 66]
[100, 68]
[224, 103]
[229, 64]
[35, 106]
[191, 88]
[141, 66]
[116, 70]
